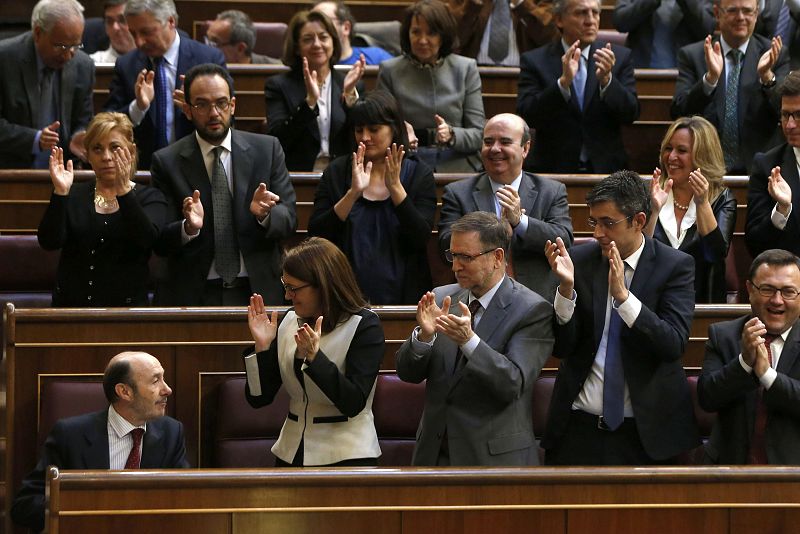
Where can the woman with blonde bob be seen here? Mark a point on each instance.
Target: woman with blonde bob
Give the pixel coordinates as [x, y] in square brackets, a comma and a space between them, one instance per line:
[104, 227]
[691, 208]
[326, 352]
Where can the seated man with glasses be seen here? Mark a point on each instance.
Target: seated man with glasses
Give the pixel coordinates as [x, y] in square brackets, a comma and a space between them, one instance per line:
[775, 182]
[480, 344]
[533, 209]
[750, 372]
[233, 33]
[230, 203]
[38, 67]
[730, 81]
[624, 306]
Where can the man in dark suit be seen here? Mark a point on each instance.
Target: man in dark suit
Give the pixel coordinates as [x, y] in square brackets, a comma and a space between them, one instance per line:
[132, 433]
[658, 28]
[480, 345]
[771, 220]
[577, 93]
[46, 87]
[730, 81]
[534, 209]
[782, 17]
[751, 370]
[624, 306]
[231, 203]
[146, 79]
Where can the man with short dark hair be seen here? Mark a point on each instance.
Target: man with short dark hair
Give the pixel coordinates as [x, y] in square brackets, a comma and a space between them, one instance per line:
[534, 209]
[116, 26]
[230, 203]
[146, 79]
[345, 24]
[750, 372]
[624, 306]
[46, 88]
[577, 92]
[233, 33]
[132, 433]
[775, 182]
[480, 344]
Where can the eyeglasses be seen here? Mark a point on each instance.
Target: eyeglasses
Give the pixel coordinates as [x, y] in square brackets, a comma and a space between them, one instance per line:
[68, 48]
[746, 11]
[205, 107]
[788, 293]
[786, 115]
[291, 290]
[464, 258]
[605, 223]
[214, 44]
[308, 40]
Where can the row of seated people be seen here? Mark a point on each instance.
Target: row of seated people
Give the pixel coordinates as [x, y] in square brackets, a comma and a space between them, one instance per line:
[576, 92]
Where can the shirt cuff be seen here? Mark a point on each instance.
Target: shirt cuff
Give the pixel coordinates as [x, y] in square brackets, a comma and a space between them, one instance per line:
[185, 238]
[265, 222]
[605, 88]
[253, 380]
[136, 114]
[565, 91]
[522, 226]
[629, 310]
[768, 378]
[747, 368]
[35, 148]
[707, 87]
[420, 347]
[778, 219]
[564, 307]
[350, 100]
[469, 347]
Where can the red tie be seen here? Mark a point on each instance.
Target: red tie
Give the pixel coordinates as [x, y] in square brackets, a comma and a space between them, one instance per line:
[135, 457]
[758, 442]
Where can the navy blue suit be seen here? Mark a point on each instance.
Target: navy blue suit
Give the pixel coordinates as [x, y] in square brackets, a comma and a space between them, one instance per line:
[121, 91]
[81, 442]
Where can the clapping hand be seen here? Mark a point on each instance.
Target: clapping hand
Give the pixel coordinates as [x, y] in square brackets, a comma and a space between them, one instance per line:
[263, 327]
[307, 340]
[193, 213]
[263, 202]
[61, 175]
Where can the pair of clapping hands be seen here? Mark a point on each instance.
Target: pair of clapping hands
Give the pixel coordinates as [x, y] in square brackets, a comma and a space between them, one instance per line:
[264, 329]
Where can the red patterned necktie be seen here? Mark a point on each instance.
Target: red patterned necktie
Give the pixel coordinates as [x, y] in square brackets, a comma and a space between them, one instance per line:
[135, 457]
[758, 441]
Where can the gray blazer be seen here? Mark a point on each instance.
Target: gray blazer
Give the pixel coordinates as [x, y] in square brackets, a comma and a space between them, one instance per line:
[452, 89]
[484, 404]
[545, 204]
[19, 100]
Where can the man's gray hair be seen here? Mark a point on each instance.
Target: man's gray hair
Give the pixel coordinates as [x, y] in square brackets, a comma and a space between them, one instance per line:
[560, 6]
[161, 10]
[47, 12]
[242, 30]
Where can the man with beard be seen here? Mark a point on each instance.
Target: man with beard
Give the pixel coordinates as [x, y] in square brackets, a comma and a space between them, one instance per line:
[231, 203]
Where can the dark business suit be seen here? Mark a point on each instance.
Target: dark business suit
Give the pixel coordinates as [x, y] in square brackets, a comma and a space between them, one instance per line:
[759, 232]
[758, 106]
[651, 350]
[724, 387]
[178, 170]
[709, 251]
[545, 204]
[635, 17]
[19, 100]
[484, 401]
[768, 23]
[295, 124]
[561, 126]
[121, 92]
[81, 442]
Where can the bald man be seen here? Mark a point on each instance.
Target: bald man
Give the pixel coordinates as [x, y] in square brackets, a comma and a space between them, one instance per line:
[112, 438]
[532, 207]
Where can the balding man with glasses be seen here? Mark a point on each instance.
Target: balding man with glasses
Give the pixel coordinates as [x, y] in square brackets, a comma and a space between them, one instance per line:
[751, 371]
[46, 88]
[480, 344]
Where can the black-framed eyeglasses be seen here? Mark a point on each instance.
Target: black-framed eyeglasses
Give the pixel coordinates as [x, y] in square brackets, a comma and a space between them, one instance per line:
[786, 115]
[291, 290]
[734, 11]
[205, 107]
[68, 48]
[464, 258]
[767, 291]
[605, 223]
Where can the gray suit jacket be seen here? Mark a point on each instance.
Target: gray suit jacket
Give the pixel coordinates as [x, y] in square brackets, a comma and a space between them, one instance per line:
[545, 204]
[725, 387]
[484, 404]
[452, 89]
[19, 100]
[178, 170]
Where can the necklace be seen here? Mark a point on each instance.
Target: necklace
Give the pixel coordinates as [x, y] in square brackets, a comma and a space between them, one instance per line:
[680, 206]
[105, 203]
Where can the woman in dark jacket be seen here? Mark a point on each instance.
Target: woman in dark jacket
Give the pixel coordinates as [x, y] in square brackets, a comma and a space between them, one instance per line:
[307, 107]
[378, 205]
[105, 228]
[691, 209]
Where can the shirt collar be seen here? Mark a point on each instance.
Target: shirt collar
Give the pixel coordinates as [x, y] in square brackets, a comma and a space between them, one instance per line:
[488, 296]
[633, 260]
[119, 424]
[514, 184]
[584, 50]
[172, 52]
[727, 48]
[206, 148]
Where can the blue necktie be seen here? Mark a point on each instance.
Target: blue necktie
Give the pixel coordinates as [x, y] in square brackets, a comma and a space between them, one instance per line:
[730, 127]
[614, 374]
[579, 82]
[785, 27]
[162, 101]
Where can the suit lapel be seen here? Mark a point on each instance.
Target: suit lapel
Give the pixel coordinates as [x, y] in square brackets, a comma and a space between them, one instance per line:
[30, 76]
[646, 265]
[527, 194]
[790, 351]
[591, 78]
[789, 173]
[452, 349]
[483, 195]
[95, 455]
[68, 74]
[748, 77]
[337, 112]
[242, 165]
[194, 169]
[599, 295]
[152, 448]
